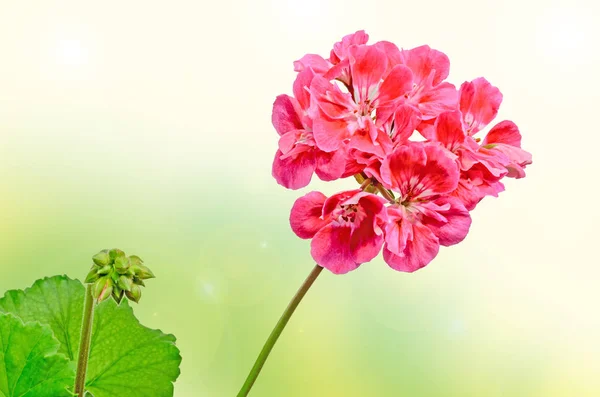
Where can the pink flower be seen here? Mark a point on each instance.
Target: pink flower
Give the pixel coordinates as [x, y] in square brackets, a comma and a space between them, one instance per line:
[500, 154]
[475, 184]
[354, 114]
[505, 138]
[479, 104]
[341, 117]
[346, 229]
[450, 133]
[424, 216]
[389, 93]
[429, 92]
[298, 157]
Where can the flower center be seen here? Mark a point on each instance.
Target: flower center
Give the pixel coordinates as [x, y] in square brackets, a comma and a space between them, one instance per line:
[365, 108]
[303, 138]
[347, 214]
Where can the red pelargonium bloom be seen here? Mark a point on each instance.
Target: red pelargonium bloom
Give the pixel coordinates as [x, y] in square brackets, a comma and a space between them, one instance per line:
[346, 229]
[354, 114]
[423, 217]
[298, 157]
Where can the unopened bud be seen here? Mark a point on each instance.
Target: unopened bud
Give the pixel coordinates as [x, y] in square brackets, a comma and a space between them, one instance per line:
[105, 270]
[92, 276]
[135, 294]
[115, 253]
[121, 264]
[99, 287]
[144, 273]
[125, 283]
[135, 260]
[106, 292]
[102, 258]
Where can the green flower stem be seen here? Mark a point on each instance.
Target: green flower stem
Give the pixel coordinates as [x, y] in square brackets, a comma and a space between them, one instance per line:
[84, 346]
[285, 317]
[384, 192]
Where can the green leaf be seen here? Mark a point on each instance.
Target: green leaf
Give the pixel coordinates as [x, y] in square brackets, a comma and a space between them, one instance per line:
[126, 358]
[55, 301]
[29, 363]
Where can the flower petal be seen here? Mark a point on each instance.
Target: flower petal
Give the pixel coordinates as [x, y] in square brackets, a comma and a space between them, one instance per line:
[305, 216]
[419, 170]
[340, 49]
[398, 230]
[330, 248]
[449, 130]
[330, 134]
[371, 139]
[301, 88]
[288, 140]
[406, 120]
[330, 166]
[367, 65]
[505, 132]
[393, 54]
[505, 138]
[473, 187]
[439, 99]
[327, 98]
[395, 85]
[364, 243]
[418, 252]
[367, 238]
[424, 60]
[294, 172]
[479, 104]
[284, 116]
[457, 221]
[427, 129]
[313, 61]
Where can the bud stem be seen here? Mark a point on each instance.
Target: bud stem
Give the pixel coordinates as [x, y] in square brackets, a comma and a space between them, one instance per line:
[84, 345]
[285, 317]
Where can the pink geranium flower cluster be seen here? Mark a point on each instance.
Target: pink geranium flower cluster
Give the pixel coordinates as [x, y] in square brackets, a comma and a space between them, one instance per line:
[355, 114]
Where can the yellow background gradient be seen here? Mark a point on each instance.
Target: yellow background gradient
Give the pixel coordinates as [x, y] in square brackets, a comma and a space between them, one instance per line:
[145, 125]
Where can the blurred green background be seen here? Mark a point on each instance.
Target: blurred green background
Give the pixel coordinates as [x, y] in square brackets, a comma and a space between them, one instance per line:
[146, 126]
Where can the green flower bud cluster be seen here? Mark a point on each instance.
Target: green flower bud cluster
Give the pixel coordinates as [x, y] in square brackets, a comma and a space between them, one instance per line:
[118, 275]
